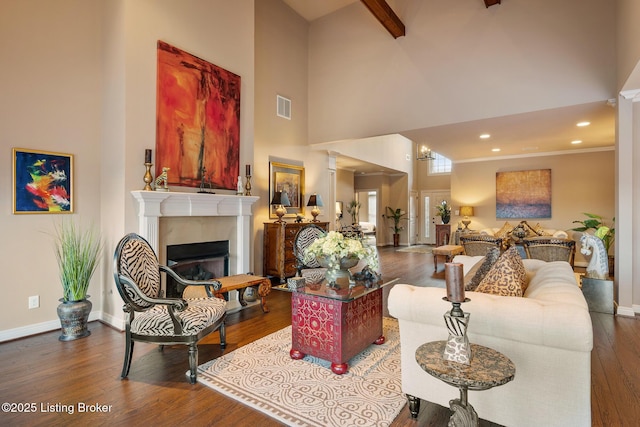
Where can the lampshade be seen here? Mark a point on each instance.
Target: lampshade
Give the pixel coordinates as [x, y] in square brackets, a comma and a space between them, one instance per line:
[280, 198]
[315, 200]
[466, 210]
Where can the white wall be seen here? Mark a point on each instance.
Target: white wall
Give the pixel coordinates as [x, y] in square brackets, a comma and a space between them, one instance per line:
[50, 81]
[459, 61]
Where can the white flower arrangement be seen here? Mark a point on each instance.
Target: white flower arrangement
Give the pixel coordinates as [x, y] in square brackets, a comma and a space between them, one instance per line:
[334, 246]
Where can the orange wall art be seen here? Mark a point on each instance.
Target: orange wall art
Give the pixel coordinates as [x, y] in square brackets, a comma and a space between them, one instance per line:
[197, 121]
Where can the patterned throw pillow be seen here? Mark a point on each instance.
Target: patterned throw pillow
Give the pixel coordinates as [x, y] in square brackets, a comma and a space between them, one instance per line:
[480, 270]
[540, 231]
[507, 277]
[505, 230]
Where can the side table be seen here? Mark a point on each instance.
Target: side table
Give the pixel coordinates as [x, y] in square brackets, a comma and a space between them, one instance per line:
[489, 368]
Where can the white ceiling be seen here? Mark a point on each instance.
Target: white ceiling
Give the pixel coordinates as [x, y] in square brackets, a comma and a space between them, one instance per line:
[527, 134]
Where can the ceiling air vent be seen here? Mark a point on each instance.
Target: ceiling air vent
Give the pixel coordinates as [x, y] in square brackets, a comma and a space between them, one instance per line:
[284, 107]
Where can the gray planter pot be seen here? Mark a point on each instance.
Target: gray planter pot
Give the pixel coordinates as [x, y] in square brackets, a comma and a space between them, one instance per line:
[73, 319]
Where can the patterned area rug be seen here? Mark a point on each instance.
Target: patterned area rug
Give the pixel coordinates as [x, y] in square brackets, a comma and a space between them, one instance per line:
[422, 249]
[305, 392]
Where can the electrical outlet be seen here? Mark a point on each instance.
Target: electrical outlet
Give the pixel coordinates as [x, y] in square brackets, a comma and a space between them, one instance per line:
[34, 301]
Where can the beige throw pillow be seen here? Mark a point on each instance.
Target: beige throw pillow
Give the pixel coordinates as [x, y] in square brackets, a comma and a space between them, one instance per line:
[507, 277]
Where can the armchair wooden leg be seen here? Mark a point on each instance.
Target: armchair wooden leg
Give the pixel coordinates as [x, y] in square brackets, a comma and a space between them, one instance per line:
[128, 353]
[223, 336]
[193, 362]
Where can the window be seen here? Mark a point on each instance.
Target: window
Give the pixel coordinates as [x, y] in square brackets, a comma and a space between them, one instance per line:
[440, 165]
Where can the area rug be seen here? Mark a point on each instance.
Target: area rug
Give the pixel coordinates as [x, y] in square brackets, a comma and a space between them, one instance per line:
[422, 249]
[305, 392]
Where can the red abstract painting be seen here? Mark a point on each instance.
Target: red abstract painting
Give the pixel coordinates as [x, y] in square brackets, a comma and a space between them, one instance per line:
[197, 121]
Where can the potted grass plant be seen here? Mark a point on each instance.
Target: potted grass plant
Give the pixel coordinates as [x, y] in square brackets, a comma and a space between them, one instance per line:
[78, 253]
[396, 215]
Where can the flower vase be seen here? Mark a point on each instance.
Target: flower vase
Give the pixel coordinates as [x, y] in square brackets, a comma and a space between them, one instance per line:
[339, 277]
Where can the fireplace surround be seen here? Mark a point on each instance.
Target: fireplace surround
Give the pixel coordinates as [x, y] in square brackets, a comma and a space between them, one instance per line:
[152, 205]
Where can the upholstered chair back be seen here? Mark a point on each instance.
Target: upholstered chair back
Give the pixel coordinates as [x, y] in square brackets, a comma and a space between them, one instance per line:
[136, 271]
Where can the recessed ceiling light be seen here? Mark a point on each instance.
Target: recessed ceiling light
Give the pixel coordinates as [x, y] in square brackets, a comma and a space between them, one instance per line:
[577, 141]
[495, 150]
[485, 136]
[583, 124]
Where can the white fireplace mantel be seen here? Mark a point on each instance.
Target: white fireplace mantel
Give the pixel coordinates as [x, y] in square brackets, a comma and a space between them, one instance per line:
[154, 204]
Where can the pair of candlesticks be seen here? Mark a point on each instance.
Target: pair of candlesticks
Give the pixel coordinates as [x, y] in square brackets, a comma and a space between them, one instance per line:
[162, 180]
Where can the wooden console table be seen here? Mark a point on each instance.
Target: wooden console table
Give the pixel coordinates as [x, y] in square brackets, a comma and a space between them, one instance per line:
[232, 283]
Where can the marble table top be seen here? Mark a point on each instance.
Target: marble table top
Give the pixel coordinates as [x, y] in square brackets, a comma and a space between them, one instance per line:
[488, 368]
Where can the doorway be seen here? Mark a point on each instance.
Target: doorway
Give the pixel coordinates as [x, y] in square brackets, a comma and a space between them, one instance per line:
[429, 219]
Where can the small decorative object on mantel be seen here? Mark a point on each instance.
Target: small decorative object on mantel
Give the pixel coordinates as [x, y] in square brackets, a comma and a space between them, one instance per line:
[163, 180]
[457, 348]
[299, 218]
[240, 189]
[148, 178]
[247, 185]
[204, 183]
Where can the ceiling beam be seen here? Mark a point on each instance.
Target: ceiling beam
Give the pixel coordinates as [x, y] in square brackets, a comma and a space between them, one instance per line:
[491, 2]
[383, 12]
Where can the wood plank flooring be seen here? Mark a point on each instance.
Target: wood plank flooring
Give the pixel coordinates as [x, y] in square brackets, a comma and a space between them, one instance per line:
[56, 376]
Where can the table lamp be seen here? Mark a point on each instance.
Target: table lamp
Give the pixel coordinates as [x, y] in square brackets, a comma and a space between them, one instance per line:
[315, 200]
[466, 212]
[280, 200]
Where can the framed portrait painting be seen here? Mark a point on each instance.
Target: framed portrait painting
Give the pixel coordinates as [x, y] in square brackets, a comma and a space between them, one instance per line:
[288, 179]
[42, 182]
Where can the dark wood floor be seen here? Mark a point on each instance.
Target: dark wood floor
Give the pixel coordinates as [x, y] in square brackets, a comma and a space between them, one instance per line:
[41, 370]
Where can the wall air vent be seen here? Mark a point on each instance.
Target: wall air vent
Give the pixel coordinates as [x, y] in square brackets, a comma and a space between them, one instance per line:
[283, 108]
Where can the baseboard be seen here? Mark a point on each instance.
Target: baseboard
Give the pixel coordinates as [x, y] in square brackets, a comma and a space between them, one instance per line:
[38, 328]
[628, 311]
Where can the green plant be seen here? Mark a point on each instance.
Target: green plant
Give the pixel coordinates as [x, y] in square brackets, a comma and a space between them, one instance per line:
[78, 253]
[601, 230]
[396, 215]
[352, 209]
[444, 211]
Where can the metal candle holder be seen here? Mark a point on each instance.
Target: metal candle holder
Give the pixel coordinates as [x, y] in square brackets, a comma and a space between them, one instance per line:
[247, 186]
[458, 348]
[148, 178]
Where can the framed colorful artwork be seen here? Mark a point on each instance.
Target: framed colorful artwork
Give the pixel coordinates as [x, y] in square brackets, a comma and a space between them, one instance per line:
[288, 179]
[197, 121]
[42, 182]
[523, 194]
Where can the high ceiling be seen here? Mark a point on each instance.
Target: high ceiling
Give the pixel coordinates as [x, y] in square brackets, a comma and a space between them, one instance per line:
[527, 134]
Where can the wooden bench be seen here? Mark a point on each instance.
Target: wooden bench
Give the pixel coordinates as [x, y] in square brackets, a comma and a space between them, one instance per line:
[447, 251]
[232, 283]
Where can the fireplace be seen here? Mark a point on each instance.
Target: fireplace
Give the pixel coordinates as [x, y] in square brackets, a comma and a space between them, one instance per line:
[196, 261]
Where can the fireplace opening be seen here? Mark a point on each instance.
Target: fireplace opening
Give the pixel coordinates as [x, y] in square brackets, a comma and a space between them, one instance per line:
[196, 261]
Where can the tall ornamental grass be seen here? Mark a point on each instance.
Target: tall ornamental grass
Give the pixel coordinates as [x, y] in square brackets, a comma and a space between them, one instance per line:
[78, 253]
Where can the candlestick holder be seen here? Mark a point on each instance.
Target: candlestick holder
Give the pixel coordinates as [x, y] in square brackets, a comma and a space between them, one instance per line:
[247, 186]
[457, 348]
[148, 178]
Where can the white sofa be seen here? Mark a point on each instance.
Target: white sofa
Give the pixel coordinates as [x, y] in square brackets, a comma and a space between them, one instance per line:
[547, 334]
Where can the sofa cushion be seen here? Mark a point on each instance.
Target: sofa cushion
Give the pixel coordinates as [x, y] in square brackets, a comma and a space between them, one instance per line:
[504, 231]
[473, 278]
[507, 277]
[541, 231]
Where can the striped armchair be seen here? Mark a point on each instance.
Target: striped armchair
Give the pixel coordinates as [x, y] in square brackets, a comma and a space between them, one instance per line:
[164, 321]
